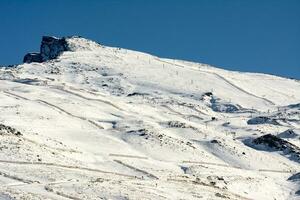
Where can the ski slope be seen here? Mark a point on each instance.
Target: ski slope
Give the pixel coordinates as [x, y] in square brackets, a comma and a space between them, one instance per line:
[100, 122]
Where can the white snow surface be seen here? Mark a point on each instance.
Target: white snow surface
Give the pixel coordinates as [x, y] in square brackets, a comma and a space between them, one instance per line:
[110, 123]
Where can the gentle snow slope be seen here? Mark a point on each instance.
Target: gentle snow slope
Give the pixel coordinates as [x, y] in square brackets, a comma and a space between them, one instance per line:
[110, 123]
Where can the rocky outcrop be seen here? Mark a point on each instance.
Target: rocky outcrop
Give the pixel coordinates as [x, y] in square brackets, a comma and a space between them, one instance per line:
[262, 120]
[288, 134]
[51, 48]
[7, 130]
[32, 57]
[275, 143]
[295, 178]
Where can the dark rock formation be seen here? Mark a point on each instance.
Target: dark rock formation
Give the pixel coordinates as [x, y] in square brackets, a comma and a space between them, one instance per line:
[209, 94]
[288, 134]
[295, 177]
[177, 124]
[278, 144]
[7, 130]
[262, 120]
[32, 57]
[295, 106]
[271, 141]
[51, 48]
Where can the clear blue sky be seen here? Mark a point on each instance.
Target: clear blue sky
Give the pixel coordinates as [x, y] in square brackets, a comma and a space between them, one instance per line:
[244, 35]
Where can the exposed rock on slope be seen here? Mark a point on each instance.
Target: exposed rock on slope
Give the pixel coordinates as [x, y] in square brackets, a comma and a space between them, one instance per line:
[8, 130]
[289, 134]
[262, 120]
[278, 144]
[32, 57]
[51, 48]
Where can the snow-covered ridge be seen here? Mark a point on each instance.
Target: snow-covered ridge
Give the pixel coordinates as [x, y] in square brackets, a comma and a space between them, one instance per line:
[52, 47]
[81, 44]
[81, 120]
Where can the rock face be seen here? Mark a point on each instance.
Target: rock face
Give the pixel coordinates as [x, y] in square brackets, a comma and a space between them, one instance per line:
[262, 120]
[32, 57]
[51, 48]
[278, 144]
[271, 141]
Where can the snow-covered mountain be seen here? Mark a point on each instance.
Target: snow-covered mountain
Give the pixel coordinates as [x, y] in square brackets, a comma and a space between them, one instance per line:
[81, 120]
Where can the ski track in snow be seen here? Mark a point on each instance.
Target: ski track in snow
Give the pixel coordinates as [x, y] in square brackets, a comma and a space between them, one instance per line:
[55, 108]
[222, 78]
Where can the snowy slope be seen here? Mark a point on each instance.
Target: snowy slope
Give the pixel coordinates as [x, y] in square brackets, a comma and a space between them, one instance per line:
[110, 123]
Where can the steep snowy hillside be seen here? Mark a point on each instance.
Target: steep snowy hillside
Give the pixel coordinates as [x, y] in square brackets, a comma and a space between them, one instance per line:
[84, 121]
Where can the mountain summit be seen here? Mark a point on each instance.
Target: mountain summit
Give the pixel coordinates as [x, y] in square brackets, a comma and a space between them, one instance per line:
[52, 47]
[80, 120]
